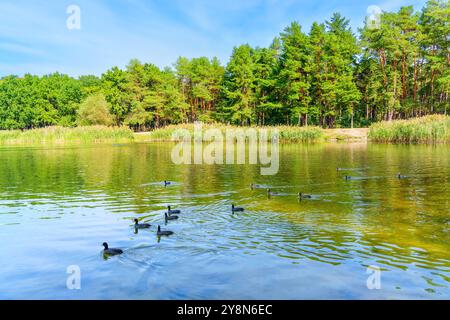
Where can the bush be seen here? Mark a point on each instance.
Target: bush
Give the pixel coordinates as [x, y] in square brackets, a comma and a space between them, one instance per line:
[94, 111]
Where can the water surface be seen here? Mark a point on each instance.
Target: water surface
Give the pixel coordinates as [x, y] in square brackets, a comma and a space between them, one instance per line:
[58, 205]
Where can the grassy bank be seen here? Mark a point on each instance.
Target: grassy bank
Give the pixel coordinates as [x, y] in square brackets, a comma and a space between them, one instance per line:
[428, 129]
[61, 135]
[286, 133]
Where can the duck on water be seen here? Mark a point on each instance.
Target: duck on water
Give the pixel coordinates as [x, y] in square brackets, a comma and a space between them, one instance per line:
[255, 186]
[236, 209]
[170, 211]
[138, 225]
[111, 251]
[304, 196]
[163, 233]
[271, 193]
[169, 217]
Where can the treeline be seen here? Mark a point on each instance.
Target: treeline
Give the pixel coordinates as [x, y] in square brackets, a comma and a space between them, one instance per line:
[397, 69]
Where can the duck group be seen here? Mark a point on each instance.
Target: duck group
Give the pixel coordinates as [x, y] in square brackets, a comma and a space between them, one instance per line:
[169, 215]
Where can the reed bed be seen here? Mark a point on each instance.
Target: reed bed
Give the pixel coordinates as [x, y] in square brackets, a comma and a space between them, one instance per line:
[428, 129]
[63, 135]
[286, 133]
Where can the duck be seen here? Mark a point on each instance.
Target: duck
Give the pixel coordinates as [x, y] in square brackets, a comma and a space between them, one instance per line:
[111, 251]
[167, 183]
[304, 196]
[236, 209]
[348, 178]
[271, 193]
[163, 233]
[255, 186]
[170, 211]
[138, 225]
[401, 177]
[169, 217]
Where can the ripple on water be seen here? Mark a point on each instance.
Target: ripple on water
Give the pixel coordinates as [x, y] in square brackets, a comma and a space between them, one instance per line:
[375, 219]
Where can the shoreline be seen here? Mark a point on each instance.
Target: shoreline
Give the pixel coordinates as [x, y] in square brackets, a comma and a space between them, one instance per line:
[426, 130]
[329, 135]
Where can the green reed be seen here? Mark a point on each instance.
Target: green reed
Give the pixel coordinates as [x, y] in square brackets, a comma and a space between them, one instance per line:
[428, 129]
[63, 135]
[286, 133]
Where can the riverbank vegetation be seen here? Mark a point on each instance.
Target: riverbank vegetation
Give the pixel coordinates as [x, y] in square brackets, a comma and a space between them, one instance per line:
[327, 76]
[429, 129]
[61, 135]
[285, 133]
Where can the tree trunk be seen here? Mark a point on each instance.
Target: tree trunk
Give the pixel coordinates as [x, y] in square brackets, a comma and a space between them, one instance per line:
[404, 89]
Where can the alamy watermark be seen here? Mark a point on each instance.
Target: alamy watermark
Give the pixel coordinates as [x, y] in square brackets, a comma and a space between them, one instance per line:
[73, 22]
[73, 281]
[373, 18]
[216, 146]
[374, 280]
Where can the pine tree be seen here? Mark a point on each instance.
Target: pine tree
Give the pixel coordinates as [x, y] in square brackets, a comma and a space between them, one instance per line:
[265, 71]
[238, 87]
[295, 64]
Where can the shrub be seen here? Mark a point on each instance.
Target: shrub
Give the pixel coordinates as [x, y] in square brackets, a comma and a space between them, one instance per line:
[94, 111]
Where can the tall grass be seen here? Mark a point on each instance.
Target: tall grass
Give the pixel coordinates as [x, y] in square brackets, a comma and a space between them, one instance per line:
[62, 135]
[428, 129]
[286, 133]
[301, 134]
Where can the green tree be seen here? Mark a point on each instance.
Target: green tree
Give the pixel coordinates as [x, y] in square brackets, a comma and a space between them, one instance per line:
[115, 88]
[294, 77]
[200, 82]
[319, 57]
[266, 71]
[342, 94]
[435, 44]
[238, 87]
[156, 98]
[400, 69]
[94, 110]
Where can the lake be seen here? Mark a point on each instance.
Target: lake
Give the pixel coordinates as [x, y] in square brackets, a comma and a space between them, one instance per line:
[59, 204]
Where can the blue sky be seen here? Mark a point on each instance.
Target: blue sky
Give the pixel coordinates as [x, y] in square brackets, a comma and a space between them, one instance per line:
[34, 37]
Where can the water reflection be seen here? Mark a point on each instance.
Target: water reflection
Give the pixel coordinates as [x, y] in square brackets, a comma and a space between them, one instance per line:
[58, 205]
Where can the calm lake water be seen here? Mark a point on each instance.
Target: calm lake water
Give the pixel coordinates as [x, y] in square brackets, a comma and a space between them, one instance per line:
[58, 205]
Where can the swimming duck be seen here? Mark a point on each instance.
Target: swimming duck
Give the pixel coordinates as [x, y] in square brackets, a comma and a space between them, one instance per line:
[111, 251]
[138, 225]
[304, 196]
[170, 211]
[348, 178]
[236, 209]
[401, 177]
[271, 193]
[167, 217]
[167, 183]
[255, 186]
[163, 233]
